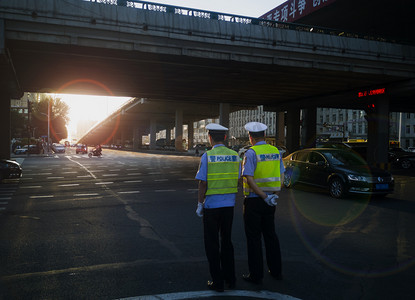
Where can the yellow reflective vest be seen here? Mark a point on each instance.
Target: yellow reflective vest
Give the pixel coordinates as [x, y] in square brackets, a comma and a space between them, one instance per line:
[222, 171]
[267, 173]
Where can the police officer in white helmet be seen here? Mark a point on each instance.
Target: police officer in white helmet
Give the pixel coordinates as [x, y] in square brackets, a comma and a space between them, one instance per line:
[261, 172]
[218, 176]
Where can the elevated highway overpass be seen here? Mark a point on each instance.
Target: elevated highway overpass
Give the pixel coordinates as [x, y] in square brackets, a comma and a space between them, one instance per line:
[163, 53]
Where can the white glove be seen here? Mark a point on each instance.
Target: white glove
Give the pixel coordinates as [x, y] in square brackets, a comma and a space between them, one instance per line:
[199, 209]
[271, 200]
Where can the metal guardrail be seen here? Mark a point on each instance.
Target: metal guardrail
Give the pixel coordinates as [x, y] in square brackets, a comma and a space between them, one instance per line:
[164, 8]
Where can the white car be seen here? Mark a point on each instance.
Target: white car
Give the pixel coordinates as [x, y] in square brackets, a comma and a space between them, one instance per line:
[58, 148]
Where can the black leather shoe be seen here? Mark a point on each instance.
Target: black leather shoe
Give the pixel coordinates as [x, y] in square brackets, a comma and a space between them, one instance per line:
[214, 287]
[275, 276]
[248, 277]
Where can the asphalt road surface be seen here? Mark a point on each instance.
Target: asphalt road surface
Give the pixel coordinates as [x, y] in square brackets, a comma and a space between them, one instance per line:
[124, 225]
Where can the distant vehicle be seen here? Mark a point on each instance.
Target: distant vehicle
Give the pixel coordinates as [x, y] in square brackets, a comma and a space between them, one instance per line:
[81, 148]
[22, 150]
[340, 171]
[58, 148]
[9, 169]
[411, 149]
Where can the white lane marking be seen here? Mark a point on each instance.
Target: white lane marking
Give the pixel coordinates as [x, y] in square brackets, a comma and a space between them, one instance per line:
[160, 191]
[6, 198]
[26, 178]
[108, 175]
[2, 208]
[129, 192]
[132, 169]
[41, 174]
[69, 184]
[209, 294]
[83, 176]
[132, 174]
[82, 195]
[154, 173]
[31, 187]
[108, 182]
[55, 177]
[69, 172]
[41, 196]
[161, 180]
[114, 170]
[133, 181]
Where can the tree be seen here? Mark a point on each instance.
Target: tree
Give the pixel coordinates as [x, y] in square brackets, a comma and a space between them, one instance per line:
[58, 117]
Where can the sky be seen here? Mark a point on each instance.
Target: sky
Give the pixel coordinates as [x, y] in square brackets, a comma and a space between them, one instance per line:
[97, 108]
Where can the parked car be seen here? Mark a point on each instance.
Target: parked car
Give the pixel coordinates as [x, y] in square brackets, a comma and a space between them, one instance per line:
[338, 170]
[9, 169]
[58, 148]
[81, 148]
[402, 158]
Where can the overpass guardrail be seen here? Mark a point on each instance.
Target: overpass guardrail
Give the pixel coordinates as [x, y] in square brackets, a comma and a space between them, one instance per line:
[192, 12]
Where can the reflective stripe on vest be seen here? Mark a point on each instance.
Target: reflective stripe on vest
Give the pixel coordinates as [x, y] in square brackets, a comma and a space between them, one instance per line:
[267, 172]
[223, 171]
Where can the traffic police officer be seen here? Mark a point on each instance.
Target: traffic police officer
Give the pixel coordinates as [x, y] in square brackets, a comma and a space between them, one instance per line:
[218, 176]
[262, 169]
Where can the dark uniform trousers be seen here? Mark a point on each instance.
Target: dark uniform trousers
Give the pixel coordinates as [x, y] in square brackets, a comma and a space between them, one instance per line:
[219, 252]
[259, 220]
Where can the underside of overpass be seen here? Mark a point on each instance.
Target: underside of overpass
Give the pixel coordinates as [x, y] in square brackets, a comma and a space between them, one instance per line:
[49, 46]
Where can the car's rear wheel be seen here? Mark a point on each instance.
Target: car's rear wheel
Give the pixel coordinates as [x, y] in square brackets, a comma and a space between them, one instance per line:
[406, 164]
[336, 188]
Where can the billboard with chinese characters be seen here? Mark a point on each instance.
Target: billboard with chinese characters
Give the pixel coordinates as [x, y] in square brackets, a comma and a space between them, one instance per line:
[292, 10]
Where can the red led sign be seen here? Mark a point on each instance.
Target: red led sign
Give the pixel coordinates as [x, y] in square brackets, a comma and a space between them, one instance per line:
[371, 92]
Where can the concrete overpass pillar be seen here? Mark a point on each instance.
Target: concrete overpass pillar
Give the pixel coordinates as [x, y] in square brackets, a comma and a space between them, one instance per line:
[293, 129]
[137, 139]
[280, 129]
[190, 135]
[168, 135]
[224, 110]
[5, 125]
[309, 127]
[153, 131]
[179, 130]
[378, 132]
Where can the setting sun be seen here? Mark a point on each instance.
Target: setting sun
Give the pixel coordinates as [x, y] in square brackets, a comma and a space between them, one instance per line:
[88, 110]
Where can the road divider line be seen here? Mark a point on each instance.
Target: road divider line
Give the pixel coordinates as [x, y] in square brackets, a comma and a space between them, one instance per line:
[108, 182]
[31, 187]
[129, 192]
[83, 195]
[69, 184]
[161, 191]
[133, 181]
[41, 196]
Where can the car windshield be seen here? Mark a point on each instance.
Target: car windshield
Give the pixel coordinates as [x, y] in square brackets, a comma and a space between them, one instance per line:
[346, 158]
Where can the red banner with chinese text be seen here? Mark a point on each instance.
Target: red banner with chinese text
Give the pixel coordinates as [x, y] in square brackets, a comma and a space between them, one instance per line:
[295, 9]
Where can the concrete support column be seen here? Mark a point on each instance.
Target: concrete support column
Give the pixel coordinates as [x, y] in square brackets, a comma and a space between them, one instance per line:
[168, 135]
[378, 132]
[137, 139]
[153, 131]
[224, 109]
[309, 127]
[293, 129]
[122, 141]
[280, 129]
[179, 130]
[5, 125]
[190, 135]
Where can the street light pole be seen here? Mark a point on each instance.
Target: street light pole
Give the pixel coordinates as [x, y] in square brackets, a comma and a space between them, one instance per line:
[48, 125]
